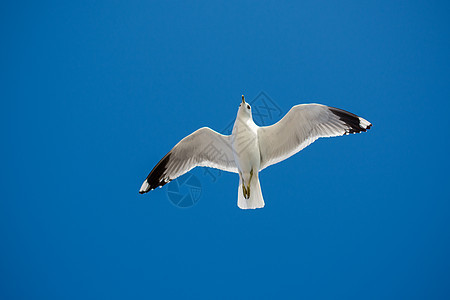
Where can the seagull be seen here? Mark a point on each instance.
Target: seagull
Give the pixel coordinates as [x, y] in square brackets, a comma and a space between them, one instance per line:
[250, 148]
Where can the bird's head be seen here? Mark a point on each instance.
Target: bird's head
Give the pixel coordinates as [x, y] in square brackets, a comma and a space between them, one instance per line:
[245, 110]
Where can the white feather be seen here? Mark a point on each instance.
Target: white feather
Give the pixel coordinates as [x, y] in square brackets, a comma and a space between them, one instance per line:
[300, 127]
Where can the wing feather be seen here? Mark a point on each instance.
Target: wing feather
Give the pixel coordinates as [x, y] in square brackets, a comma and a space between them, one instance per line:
[301, 126]
[204, 147]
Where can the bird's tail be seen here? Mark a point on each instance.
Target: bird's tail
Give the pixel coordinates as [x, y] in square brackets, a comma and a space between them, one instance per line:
[256, 199]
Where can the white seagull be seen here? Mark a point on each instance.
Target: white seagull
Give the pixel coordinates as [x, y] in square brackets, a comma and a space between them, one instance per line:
[250, 148]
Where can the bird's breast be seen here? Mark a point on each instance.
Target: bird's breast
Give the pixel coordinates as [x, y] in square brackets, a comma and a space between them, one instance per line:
[245, 146]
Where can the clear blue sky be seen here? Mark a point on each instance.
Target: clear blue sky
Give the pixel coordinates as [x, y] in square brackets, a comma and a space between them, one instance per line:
[94, 93]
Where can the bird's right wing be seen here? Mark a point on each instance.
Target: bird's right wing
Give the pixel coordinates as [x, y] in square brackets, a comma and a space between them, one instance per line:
[203, 148]
[301, 126]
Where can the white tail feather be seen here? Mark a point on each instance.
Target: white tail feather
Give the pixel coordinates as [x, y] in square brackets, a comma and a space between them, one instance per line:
[256, 199]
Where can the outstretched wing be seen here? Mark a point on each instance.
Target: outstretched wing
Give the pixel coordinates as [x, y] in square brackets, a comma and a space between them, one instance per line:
[203, 148]
[301, 126]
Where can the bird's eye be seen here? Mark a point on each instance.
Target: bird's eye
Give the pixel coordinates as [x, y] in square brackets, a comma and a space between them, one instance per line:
[248, 106]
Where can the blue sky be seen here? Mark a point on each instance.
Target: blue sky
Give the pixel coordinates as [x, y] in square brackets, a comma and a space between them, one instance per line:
[94, 93]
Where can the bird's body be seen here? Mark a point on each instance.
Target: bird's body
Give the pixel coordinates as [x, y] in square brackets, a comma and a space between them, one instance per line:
[251, 148]
[245, 146]
[244, 141]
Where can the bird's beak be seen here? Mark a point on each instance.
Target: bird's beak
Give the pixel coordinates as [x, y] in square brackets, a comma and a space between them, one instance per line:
[243, 100]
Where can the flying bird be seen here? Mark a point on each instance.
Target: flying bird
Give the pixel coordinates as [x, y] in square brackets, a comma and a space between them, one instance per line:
[250, 148]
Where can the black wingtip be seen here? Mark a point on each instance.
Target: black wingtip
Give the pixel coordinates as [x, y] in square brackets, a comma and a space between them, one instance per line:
[157, 176]
[355, 123]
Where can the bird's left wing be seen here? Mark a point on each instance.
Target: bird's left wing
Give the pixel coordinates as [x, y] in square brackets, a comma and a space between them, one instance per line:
[301, 126]
[203, 148]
